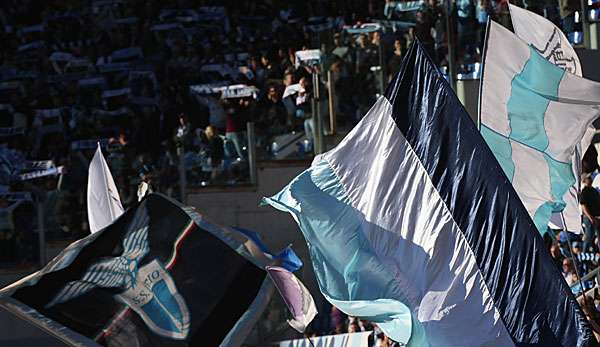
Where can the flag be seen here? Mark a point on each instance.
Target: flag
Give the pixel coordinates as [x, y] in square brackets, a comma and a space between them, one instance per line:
[160, 275]
[411, 223]
[296, 297]
[103, 202]
[533, 114]
[553, 45]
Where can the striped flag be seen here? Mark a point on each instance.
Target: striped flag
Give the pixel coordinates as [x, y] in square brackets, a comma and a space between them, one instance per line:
[103, 202]
[411, 224]
[533, 116]
[553, 45]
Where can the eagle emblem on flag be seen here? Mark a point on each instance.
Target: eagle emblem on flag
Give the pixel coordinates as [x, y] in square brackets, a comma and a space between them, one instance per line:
[149, 289]
[553, 52]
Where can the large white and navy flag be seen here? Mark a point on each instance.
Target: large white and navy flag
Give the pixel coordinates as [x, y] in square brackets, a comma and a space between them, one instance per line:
[411, 223]
[103, 202]
[553, 45]
[533, 116]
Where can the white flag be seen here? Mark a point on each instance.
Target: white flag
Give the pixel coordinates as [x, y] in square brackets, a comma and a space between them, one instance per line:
[534, 115]
[550, 41]
[103, 202]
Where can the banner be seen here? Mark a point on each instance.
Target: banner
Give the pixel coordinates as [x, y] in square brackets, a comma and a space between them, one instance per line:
[41, 173]
[12, 131]
[16, 196]
[308, 57]
[38, 165]
[88, 144]
[238, 91]
[94, 81]
[360, 339]
[60, 56]
[115, 92]
[129, 53]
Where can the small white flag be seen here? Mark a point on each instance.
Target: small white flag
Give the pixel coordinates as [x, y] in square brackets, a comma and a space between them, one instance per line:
[103, 202]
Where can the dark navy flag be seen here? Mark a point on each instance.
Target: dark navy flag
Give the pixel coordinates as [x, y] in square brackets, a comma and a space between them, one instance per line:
[159, 275]
[412, 224]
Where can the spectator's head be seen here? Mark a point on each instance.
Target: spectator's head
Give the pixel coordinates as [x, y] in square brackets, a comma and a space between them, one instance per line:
[305, 83]
[282, 53]
[265, 61]
[398, 45]
[576, 248]
[586, 179]
[337, 40]
[555, 251]
[376, 38]
[362, 40]
[211, 132]
[567, 266]
[432, 3]
[353, 328]
[272, 94]
[336, 66]
[147, 173]
[182, 118]
[288, 79]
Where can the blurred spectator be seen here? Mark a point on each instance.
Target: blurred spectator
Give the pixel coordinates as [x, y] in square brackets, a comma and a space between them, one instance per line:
[273, 116]
[483, 14]
[590, 206]
[395, 60]
[215, 150]
[304, 110]
[235, 112]
[556, 254]
[567, 14]
[568, 271]
[593, 316]
[466, 29]
[423, 28]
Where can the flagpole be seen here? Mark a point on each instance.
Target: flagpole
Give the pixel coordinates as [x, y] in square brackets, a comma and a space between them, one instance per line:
[483, 54]
[450, 38]
[585, 23]
[573, 258]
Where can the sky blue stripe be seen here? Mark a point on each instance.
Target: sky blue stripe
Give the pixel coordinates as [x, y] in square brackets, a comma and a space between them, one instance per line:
[529, 100]
[502, 149]
[349, 273]
[561, 178]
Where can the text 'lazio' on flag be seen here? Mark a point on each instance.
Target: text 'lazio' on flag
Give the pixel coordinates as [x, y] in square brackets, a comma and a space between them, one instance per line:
[533, 115]
[411, 223]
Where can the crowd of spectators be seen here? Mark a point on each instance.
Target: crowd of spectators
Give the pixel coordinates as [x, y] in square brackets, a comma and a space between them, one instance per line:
[157, 83]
